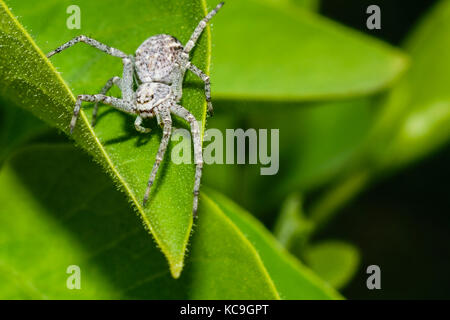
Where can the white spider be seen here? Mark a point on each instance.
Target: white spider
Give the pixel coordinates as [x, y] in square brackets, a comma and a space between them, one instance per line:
[160, 63]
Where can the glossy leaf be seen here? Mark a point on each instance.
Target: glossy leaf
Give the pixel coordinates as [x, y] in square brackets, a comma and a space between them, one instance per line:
[316, 141]
[291, 278]
[416, 117]
[31, 81]
[272, 50]
[49, 221]
[413, 121]
[334, 261]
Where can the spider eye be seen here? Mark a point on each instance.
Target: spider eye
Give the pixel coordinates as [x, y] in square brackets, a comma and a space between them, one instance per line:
[146, 98]
[149, 98]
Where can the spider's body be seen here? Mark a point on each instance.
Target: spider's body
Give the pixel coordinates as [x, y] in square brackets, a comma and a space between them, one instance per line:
[160, 64]
[158, 59]
[149, 95]
[162, 59]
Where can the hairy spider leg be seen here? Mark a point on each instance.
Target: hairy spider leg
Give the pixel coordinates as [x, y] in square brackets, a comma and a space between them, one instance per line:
[167, 130]
[200, 27]
[139, 127]
[182, 112]
[199, 73]
[92, 42]
[120, 104]
[190, 45]
[125, 85]
[105, 89]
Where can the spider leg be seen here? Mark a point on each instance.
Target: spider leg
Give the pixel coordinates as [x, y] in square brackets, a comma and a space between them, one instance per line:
[105, 89]
[139, 127]
[127, 78]
[199, 73]
[200, 27]
[159, 121]
[198, 157]
[125, 84]
[92, 42]
[119, 104]
[167, 129]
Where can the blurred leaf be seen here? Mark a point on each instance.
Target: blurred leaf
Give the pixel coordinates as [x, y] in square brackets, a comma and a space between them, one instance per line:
[413, 121]
[305, 4]
[416, 117]
[322, 139]
[292, 279]
[317, 140]
[278, 51]
[339, 194]
[30, 80]
[334, 261]
[16, 128]
[292, 229]
[49, 220]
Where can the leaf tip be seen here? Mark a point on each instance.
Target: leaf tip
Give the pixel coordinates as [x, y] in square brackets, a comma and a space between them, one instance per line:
[176, 268]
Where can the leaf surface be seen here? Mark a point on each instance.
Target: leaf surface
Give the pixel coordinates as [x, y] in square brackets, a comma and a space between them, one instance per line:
[415, 119]
[316, 141]
[291, 278]
[335, 261]
[31, 81]
[275, 50]
[49, 221]
[17, 126]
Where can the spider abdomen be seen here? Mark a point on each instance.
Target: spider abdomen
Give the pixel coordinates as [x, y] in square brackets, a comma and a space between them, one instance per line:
[158, 59]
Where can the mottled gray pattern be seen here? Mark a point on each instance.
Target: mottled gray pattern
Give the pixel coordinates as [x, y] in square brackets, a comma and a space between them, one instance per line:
[160, 63]
[159, 59]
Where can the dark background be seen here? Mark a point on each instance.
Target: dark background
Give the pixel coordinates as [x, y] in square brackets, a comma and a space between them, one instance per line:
[397, 16]
[401, 224]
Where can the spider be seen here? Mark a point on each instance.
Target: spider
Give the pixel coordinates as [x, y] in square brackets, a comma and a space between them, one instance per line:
[160, 63]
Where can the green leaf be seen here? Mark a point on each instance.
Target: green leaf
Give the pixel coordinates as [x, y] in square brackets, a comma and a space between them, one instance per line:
[415, 120]
[269, 50]
[307, 4]
[334, 261]
[316, 141]
[29, 80]
[50, 220]
[328, 135]
[291, 278]
[411, 122]
[312, 5]
[292, 228]
[16, 128]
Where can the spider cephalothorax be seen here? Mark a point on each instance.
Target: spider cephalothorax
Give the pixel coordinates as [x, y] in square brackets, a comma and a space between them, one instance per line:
[159, 63]
[151, 94]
